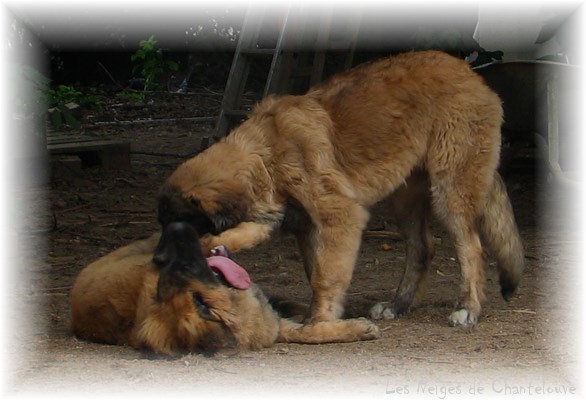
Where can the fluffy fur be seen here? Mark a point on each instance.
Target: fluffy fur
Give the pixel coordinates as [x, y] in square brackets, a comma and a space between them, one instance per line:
[421, 125]
[125, 299]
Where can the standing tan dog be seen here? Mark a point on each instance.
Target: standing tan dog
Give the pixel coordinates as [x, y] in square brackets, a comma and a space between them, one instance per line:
[188, 304]
[421, 125]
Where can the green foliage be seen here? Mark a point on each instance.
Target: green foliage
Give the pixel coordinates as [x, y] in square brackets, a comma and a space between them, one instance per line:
[151, 63]
[131, 96]
[62, 115]
[35, 97]
[58, 98]
[63, 94]
[91, 100]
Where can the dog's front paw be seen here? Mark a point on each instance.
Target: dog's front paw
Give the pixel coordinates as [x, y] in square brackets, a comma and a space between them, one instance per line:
[383, 310]
[369, 330]
[207, 243]
[463, 317]
[220, 251]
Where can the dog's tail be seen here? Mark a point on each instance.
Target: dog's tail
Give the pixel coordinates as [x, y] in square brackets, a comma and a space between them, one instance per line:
[288, 309]
[499, 231]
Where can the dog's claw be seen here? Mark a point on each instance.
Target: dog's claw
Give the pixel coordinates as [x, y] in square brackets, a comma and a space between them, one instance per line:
[220, 251]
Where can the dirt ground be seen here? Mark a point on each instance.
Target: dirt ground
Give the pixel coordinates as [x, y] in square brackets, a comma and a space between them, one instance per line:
[525, 347]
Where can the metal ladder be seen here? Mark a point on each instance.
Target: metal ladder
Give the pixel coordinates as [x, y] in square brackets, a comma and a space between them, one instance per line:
[298, 51]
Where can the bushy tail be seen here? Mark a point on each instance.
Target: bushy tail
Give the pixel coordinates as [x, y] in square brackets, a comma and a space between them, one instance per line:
[499, 231]
[288, 309]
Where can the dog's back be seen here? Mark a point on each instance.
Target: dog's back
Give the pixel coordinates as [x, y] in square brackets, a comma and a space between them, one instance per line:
[105, 293]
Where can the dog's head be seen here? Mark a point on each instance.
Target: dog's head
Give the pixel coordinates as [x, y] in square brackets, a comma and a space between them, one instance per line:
[181, 263]
[180, 259]
[213, 191]
[209, 209]
[192, 298]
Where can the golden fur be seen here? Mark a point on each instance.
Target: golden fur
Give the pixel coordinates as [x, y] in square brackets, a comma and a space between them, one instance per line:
[114, 301]
[421, 125]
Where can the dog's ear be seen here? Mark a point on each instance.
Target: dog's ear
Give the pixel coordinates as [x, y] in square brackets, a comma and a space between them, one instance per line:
[171, 283]
[232, 210]
[170, 204]
[227, 207]
[173, 207]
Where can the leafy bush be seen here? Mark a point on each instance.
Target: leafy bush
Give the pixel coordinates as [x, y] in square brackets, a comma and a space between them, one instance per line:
[130, 96]
[151, 63]
[57, 101]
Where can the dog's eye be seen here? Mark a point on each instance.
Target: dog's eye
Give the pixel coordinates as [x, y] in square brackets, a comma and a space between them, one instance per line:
[202, 307]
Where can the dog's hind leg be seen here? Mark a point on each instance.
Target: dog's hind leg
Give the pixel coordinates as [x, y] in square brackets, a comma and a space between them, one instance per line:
[458, 199]
[411, 206]
[473, 264]
[462, 157]
[337, 331]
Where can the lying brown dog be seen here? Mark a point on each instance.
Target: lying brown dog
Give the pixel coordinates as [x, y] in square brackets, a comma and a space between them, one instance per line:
[189, 304]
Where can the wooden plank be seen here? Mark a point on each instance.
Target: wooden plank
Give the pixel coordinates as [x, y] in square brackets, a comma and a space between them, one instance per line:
[93, 145]
[61, 137]
[107, 153]
[61, 140]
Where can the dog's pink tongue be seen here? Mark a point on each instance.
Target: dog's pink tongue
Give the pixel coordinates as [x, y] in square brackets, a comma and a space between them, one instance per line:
[234, 274]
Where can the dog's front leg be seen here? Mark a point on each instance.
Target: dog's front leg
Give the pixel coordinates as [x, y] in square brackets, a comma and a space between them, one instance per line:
[243, 236]
[337, 331]
[337, 240]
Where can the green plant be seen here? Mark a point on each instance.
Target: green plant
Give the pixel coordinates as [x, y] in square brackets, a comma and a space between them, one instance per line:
[151, 62]
[36, 97]
[58, 99]
[91, 100]
[130, 96]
